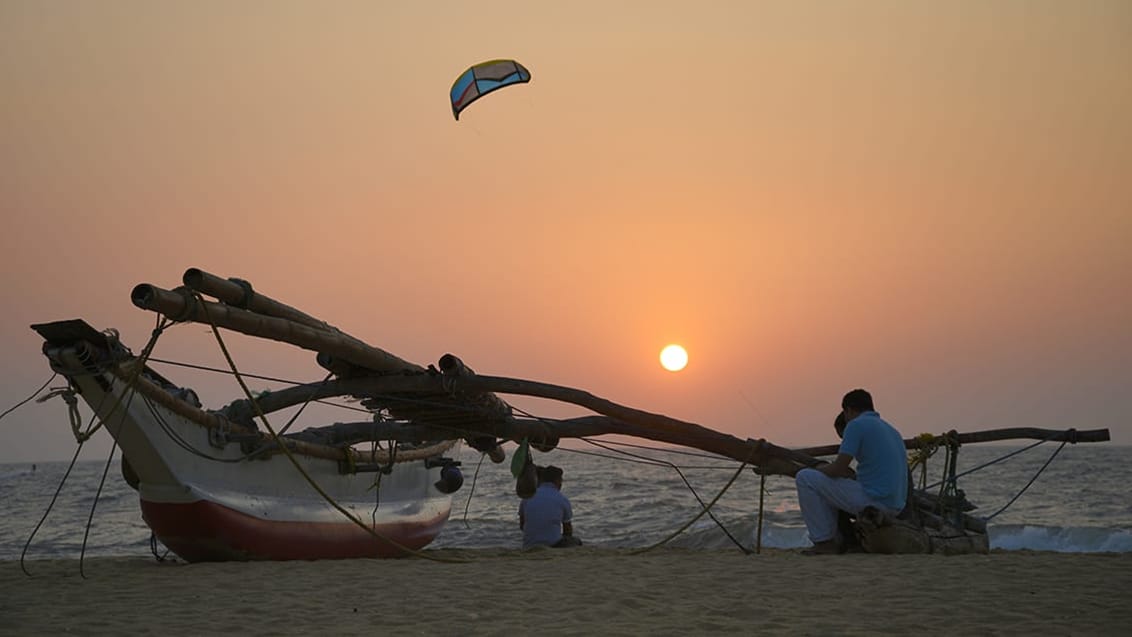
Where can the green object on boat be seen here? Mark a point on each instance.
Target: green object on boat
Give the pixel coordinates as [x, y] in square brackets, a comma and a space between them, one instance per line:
[520, 458]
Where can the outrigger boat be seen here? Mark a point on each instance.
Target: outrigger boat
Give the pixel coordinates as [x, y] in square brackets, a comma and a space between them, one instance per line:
[224, 484]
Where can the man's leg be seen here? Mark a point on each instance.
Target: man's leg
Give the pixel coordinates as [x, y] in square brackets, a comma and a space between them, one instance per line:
[820, 497]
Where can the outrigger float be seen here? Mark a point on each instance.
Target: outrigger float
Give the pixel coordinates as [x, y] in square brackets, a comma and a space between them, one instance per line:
[223, 484]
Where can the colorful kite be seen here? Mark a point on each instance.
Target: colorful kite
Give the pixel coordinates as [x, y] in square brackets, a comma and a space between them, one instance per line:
[483, 78]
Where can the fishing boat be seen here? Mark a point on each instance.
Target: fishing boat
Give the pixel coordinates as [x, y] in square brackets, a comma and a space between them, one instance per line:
[225, 484]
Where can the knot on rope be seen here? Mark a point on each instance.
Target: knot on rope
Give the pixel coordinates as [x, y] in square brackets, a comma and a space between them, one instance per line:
[952, 439]
[113, 338]
[68, 395]
[1071, 436]
[248, 292]
[926, 446]
[189, 305]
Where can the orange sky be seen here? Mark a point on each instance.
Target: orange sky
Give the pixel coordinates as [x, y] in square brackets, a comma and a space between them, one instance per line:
[930, 200]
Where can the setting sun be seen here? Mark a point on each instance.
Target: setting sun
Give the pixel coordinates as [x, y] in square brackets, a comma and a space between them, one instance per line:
[673, 358]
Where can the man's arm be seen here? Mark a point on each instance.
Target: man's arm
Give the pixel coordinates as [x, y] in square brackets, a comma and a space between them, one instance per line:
[839, 468]
[567, 528]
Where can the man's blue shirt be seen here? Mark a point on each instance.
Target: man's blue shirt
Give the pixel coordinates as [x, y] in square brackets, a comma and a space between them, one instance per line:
[882, 463]
[543, 515]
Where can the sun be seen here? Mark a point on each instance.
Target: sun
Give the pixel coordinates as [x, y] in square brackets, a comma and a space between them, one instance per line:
[673, 358]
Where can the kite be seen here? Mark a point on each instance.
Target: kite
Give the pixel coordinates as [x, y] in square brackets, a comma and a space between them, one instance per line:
[483, 78]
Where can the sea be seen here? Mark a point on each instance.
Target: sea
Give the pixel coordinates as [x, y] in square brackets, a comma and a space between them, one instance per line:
[1042, 497]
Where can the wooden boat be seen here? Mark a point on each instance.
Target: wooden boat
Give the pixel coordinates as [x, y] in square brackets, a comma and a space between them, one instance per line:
[225, 485]
[210, 490]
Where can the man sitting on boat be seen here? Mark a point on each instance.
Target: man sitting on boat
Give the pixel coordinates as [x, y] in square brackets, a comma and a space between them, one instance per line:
[546, 517]
[881, 477]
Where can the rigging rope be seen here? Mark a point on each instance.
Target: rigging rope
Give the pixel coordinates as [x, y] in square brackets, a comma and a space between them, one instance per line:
[33, 395]
[759, 527]
[655, 462]
[94, 502]
[699, 515]
[1039, 472]
[690, 488]
[952, 476]
[472, 489]
[161, 324]
[274, 379]
[129, 391]
[314, 484]
[50, 506]
[1004, 457]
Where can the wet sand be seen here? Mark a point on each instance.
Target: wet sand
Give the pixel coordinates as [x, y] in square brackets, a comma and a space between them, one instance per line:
[578, 591]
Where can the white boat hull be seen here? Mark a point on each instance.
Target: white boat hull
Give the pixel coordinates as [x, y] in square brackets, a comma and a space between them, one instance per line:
[209, 503]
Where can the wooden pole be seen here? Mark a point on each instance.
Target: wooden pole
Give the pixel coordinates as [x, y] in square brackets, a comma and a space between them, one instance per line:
[239, 293]
[993, 435]
[185, 307]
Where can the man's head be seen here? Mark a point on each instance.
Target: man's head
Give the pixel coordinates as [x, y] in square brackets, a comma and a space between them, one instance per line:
[855, 402]
[551, 473]
[839, 424]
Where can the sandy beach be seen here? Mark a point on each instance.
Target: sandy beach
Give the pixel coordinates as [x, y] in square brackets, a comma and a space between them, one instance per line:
[582, 591]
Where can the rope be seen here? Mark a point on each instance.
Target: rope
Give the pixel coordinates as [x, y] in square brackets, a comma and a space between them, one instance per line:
[50, 506]
[951, 476]
[68, 396]
[97, 494]
[759, 528]
[128, 393]
[1000, 459]
[274, 379]
[302, 407]
[927, 446]
[652, 461]
[699, 515]
[1019, 494]
[33, 395]
[472, 490]
[82, 437]
[689, 485]
[295, 462]
[62, 482]
[153, 548]
[949, 493]
[158, 330]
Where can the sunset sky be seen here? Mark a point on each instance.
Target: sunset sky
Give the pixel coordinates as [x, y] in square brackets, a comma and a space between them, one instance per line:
[931, 200]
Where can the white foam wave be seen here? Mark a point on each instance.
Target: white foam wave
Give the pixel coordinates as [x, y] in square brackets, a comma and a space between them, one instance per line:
[1061, 539]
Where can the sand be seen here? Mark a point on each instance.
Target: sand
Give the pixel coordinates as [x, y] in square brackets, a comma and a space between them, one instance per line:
[578, 591]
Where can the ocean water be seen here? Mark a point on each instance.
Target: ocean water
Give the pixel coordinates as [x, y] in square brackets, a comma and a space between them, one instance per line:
[629, 497]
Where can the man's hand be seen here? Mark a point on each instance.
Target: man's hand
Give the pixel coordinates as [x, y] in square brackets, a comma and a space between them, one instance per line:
[839, 468]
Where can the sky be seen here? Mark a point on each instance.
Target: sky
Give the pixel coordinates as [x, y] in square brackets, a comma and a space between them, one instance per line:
[929, 200]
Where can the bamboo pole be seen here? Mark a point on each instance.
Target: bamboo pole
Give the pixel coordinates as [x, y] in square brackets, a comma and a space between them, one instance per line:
[239, 293]
[185, 307]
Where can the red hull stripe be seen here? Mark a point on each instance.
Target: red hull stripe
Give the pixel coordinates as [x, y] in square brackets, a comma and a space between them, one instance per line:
[208, 532]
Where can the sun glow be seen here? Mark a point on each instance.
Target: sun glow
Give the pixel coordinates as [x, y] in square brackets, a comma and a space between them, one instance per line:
[673, 358]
